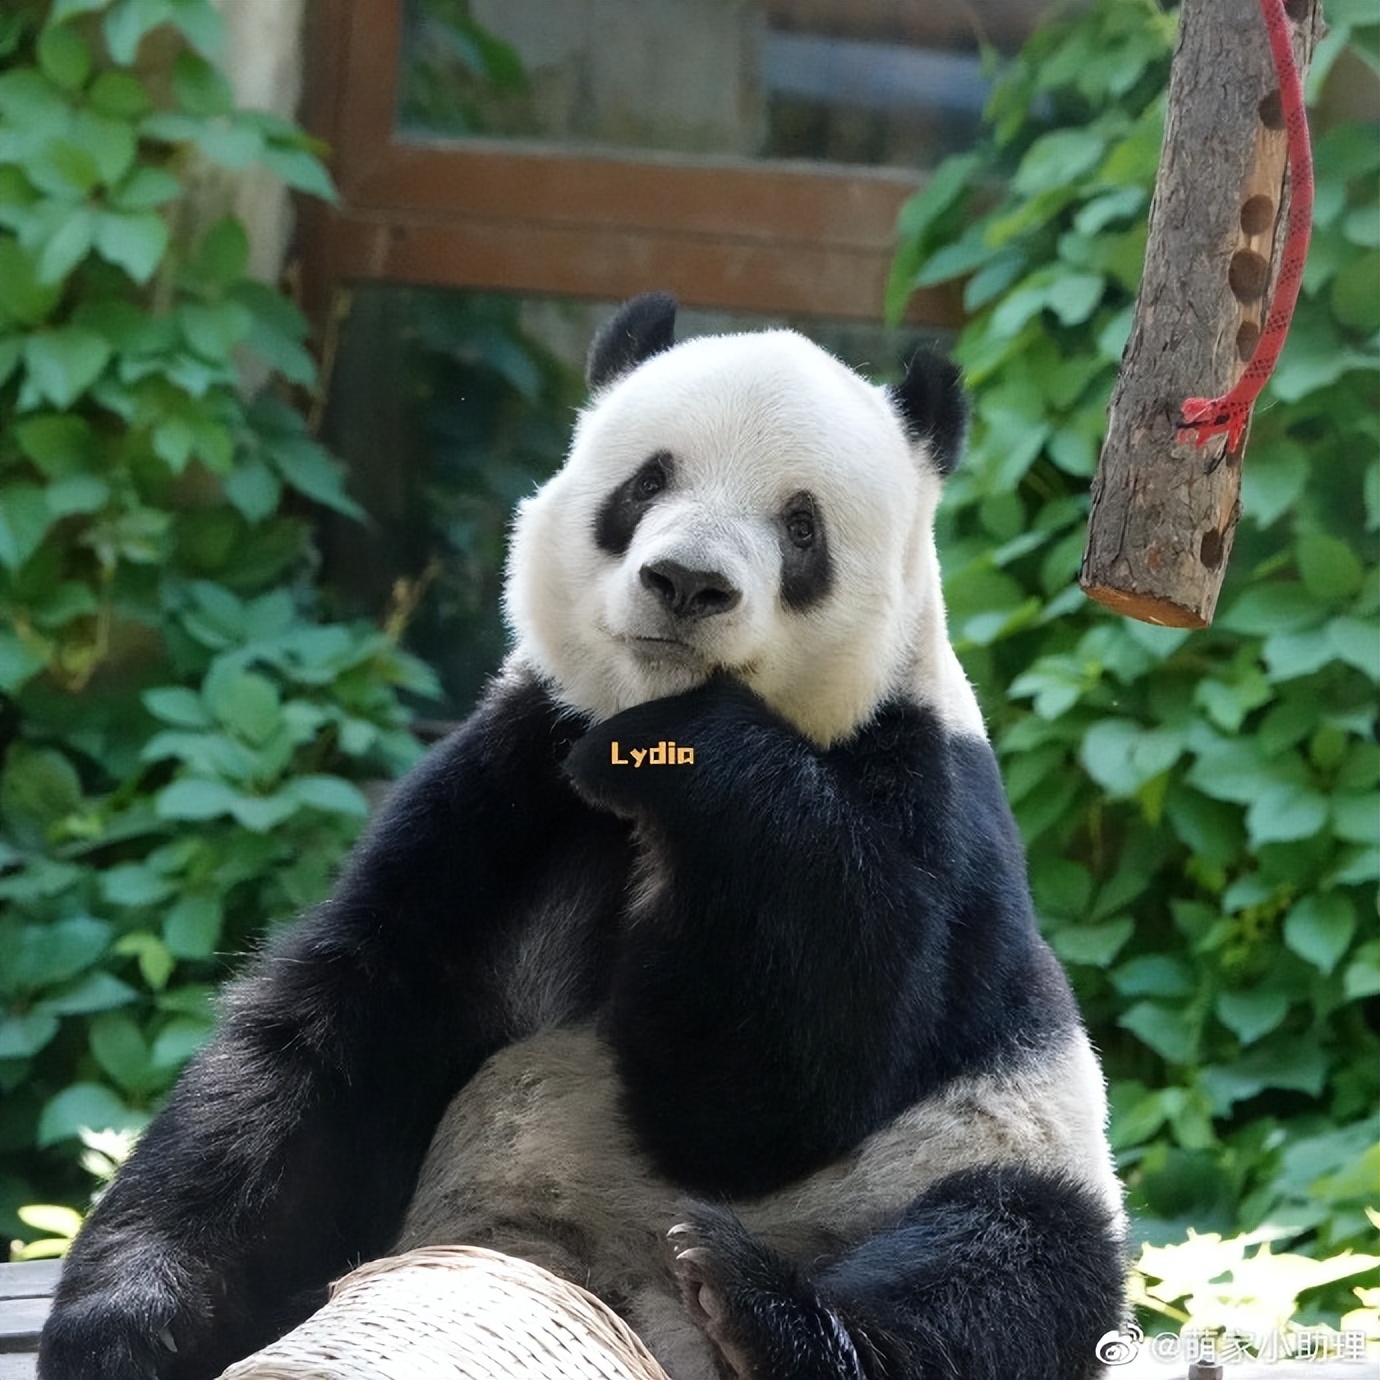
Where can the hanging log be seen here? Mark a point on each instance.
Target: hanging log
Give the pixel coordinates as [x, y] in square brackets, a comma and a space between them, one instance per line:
[1164, 508]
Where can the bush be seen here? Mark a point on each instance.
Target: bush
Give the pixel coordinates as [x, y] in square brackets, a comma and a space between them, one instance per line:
[180, 730]
[1201, 809]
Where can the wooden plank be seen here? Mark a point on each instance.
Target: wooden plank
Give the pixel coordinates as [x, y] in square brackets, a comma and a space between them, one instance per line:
[517, 256]
[24, 1279]
[21, 1320]
[26, 1289]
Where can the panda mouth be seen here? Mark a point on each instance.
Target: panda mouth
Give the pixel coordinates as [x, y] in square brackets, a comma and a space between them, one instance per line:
[655, 648]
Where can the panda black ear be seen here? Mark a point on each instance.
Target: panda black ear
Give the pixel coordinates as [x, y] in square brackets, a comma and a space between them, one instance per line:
[642, 327]
[933, 407]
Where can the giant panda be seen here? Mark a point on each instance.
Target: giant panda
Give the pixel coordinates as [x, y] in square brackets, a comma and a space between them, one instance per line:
[698, 965]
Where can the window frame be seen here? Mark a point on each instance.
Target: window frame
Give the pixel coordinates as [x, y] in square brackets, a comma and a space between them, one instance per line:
[789, 239]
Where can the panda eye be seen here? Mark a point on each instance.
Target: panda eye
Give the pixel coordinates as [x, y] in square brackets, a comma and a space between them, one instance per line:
[800, 527]
[651, 479]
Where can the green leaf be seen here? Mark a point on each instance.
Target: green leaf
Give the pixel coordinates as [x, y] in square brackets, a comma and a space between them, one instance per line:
[63, 56]
[310, 470]
[246, 703]
[144, 189]
[1122, 756]
[110, 143]
[128, 22]
[1093, 945]
[201, 25]
[24, 522]
[96, 991]
[67, 246]
[65, 362]
[1272, 482]
[194, 798]
[254, 489]
[223, 255]
[1165, 1029]
[1153, 975]
[82, 1107]
[1058, 159]
[69, 9]
[134, 885]
[301, 170]
[20, 660]
[135, 241]
[25, 1033]
[214, 330]
[175, 704]
[155, 962]
[118, 1047]
[39, 788]
[191, 928]
[330, 793]
[179, 1040]
[23, 298]
[1329, 568]
[1252, 1013]
[200, 89]
[1284, 812]
[1320, 928]
[263, 813]
[120, 94]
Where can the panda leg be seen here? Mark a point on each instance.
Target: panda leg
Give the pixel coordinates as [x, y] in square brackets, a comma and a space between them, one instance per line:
[991, 1273]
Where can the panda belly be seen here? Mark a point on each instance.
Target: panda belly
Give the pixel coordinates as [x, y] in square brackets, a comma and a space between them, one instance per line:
[534, 1158]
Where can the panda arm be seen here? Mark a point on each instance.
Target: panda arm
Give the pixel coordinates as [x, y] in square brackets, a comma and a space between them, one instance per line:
[288, 1149]
[801, 963]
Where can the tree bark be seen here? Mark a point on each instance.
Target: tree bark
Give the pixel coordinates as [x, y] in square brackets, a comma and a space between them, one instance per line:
[1164, 511]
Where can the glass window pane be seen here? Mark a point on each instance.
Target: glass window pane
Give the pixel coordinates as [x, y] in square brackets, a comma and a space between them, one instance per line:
[879, 82]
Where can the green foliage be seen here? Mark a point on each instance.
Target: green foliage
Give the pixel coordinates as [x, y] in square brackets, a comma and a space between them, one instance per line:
[180, 731]
[1201, 809]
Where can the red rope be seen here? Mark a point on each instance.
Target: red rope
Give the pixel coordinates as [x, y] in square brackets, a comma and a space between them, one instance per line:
[1201, 418]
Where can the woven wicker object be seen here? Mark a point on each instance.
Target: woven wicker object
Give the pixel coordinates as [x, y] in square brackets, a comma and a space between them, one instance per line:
[455, 1313]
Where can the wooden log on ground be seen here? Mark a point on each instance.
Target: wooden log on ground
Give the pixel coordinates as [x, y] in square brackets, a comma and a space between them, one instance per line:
[1164, 510]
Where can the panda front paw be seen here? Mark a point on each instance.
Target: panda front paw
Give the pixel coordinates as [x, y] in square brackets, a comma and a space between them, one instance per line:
[650, 751]
[758, 1311]
[129, 1338]
[144, 1324]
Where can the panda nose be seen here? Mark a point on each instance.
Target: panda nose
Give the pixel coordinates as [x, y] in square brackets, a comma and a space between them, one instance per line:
[689, 593]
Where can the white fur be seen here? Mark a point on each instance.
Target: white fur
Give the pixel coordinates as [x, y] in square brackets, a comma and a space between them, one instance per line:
[533, 1158]
[749, 420]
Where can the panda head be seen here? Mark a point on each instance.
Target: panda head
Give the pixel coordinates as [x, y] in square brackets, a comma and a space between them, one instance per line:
[745, 504]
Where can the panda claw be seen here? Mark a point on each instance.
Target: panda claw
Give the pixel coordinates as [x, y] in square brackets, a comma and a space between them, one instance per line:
[166, 1337]
[682, 1231]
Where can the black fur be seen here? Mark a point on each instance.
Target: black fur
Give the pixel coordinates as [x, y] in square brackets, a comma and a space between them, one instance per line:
[616, 521]
[290, 1146]
[997, 1273]
[642, 327]
[838, 933]
[933, 408]
[843, 931]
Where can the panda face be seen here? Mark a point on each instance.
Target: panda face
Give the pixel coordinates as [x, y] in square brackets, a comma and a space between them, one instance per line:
[742, 504]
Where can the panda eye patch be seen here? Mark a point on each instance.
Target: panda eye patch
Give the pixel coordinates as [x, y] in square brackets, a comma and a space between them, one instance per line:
[807, 573]
[622, 510]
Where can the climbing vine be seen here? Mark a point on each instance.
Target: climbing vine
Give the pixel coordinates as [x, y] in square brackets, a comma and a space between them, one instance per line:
[182, 729]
